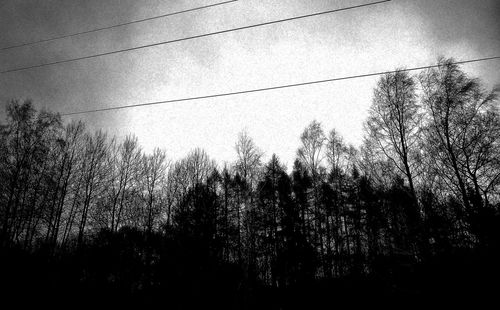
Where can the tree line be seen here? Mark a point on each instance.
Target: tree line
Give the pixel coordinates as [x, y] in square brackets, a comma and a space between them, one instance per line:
[424, 183]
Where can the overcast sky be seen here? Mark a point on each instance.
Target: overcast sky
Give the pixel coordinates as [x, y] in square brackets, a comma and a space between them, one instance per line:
[401, 33]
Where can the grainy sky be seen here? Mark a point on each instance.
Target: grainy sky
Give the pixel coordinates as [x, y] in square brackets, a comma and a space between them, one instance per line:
[401, 33]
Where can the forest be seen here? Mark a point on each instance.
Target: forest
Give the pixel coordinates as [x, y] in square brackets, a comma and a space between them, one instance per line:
[411, 215]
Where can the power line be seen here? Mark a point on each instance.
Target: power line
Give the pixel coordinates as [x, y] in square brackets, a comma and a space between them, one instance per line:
[275, 87]
[192, 37]
[115, 26]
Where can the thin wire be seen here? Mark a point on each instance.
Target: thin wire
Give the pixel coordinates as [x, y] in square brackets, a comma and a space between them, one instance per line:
[115, 26]
[192, 37]
[275, 87]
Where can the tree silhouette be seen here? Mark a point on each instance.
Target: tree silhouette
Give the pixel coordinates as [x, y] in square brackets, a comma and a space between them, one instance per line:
[413, 213]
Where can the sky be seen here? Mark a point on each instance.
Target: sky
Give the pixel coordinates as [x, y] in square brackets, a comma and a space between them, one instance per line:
[396, 34]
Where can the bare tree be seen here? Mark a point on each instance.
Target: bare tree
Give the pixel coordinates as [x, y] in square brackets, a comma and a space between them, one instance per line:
[394, 122]
[125, 162]
[184, 175]
[311, 149]
[481, 147]
[67, 156]
[198, 166]
[311, 154]
[93, 172]
[27, 162]
[154, 167]
[248, 168]
[249, 160]
[335, 151]
[462, 127]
